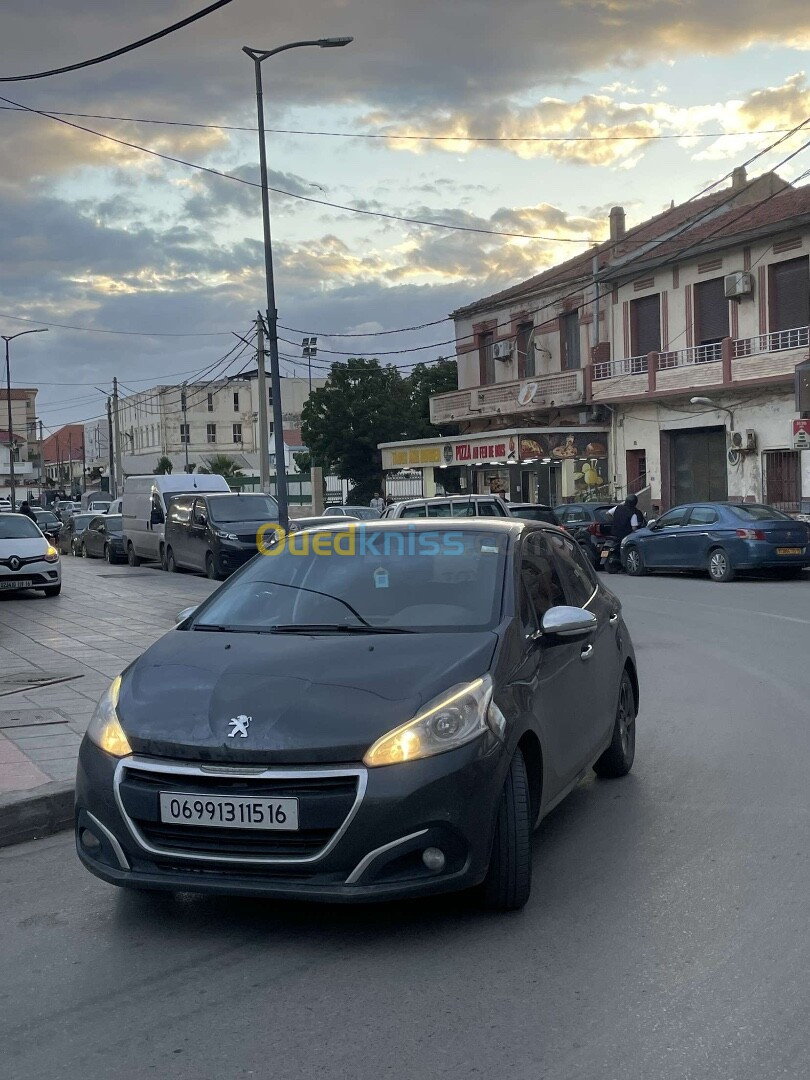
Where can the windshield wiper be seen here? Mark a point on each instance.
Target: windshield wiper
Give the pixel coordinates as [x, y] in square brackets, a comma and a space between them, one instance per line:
[221, 628]
[335, 628]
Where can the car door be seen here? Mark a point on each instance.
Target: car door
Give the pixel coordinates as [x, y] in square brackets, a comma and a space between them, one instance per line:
[601, 652]
[553, 674]
[92, 537]
[695, 535]
[659, 547]
[197, 534]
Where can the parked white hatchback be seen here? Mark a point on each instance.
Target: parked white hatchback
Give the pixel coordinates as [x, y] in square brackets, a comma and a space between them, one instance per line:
[27, 559]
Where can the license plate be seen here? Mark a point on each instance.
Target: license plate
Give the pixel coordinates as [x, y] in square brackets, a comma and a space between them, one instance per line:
[224, 812]
[790, 551]
[17, 583]
[605, 553]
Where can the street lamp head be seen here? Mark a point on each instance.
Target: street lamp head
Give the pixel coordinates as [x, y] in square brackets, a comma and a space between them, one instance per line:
[702, 401]
[10, 337]
[334, 42]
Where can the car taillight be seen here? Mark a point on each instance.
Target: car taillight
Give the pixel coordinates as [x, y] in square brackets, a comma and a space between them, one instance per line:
[594, 529]
[751, 534]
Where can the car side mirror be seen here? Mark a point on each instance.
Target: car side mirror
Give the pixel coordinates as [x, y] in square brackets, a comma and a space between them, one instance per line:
[181, 616]
[203, 519]
[563, 623]
[652, 524]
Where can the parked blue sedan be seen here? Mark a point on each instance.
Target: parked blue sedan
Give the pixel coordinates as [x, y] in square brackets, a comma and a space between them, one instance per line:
[720, 538]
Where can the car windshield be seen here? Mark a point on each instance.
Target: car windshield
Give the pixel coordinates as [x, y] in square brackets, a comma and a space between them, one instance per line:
[243, 508]
[115, 523]
[362, 512]
[359, 577]
[46, 517]
[17, 527]
[754, 512]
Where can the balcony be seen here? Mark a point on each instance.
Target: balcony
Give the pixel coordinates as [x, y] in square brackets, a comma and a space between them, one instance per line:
[730, 361]
[517, 398]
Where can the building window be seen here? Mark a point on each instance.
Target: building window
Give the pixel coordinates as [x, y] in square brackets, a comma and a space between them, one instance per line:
[486, 361]
[236, 402]
[237, 433]
[782, 470]
[525, 350]
[711, 315]
[645, 324]
[184, 433]
[210, 402]
[789, 294]
[570, 358]
[211, 433]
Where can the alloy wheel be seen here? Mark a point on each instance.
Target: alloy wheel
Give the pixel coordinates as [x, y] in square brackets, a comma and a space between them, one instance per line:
[718, 565]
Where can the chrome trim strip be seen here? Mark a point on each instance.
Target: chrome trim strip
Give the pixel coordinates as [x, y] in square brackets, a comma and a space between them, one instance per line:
[367, 860]
[179, 769]
[123, 862]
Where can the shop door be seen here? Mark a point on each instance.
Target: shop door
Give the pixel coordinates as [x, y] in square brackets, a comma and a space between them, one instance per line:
[698, 471]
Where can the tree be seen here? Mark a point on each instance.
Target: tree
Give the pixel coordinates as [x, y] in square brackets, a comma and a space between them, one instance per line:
[163, 467]
[303, 461]
[423, 383]
[220, 465]
[361, 405]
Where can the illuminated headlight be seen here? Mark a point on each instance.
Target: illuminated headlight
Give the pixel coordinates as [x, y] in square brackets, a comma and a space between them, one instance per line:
[51, 555]
[227, 535]
[454, 718]
[105, 729]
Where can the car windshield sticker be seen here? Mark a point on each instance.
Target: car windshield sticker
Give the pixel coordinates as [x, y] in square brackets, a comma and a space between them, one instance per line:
[490, 548]
[380, 578]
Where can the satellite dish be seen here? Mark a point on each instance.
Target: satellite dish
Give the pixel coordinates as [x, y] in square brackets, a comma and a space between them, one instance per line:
[527, 393]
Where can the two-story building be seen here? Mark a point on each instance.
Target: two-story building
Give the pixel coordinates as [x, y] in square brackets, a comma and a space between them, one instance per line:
[22, 442]
[578, 383]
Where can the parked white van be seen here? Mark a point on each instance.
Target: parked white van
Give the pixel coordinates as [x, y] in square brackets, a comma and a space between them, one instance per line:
[145, 502]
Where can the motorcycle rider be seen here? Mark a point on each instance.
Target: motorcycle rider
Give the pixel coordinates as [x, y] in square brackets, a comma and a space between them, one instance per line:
[626, 519]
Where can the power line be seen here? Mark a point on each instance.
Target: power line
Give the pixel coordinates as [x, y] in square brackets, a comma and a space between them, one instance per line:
[124, 49]
[410, 138]
[293, 195]
[123, 333]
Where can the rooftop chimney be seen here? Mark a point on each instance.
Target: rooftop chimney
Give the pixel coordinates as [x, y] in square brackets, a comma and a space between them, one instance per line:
[739, 178]
[617, 223]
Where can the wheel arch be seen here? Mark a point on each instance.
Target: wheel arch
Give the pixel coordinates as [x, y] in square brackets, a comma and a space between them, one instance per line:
[630, 668]
[529, 745]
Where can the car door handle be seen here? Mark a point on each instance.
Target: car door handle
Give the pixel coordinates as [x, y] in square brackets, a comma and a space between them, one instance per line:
[614, 618]
[586, 653]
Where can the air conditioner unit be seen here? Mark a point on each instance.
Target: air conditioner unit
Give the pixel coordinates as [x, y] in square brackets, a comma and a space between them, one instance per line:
[736, 440]
[502, 350]
[750, 440]
[738, 285]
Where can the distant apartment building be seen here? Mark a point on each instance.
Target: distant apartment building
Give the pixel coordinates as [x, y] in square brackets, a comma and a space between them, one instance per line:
[22, 442]
[63, 456]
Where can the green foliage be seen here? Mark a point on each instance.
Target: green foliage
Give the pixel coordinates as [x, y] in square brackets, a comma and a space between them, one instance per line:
[303, 461]
[163, 467]
[220, 465]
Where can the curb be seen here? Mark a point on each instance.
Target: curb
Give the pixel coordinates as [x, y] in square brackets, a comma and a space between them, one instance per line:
[27, 815]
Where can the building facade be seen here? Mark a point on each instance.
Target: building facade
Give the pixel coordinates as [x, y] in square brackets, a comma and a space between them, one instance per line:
[63, 457]
[591, 367]
[22, 442]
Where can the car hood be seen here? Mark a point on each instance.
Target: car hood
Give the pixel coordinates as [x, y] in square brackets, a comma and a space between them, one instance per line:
[310, 699]
[25, 548]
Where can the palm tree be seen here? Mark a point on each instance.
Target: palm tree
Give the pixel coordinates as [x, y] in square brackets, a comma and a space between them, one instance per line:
[220, 465]
[163, 466]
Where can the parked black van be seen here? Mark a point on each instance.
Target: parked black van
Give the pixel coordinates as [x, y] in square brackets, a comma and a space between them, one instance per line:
[215, 533]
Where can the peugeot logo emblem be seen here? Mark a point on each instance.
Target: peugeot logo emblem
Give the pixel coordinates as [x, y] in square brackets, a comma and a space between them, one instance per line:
[240, 725]
[15, 562]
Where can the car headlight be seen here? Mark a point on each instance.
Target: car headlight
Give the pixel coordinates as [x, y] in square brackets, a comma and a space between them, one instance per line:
[51, 555]
[454, 718]
[226, 535]
[105, 728]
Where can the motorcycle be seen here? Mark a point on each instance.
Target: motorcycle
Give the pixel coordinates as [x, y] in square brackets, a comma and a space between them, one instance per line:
[609, 555]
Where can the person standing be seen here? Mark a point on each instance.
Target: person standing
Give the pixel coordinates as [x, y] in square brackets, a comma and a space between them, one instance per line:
[378, 502]
[626, 518]
[26, 509]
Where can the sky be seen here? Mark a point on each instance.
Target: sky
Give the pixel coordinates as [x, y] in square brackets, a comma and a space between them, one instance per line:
[530, 116]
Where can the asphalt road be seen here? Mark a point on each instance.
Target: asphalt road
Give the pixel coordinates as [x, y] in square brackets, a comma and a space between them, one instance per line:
[667, 935]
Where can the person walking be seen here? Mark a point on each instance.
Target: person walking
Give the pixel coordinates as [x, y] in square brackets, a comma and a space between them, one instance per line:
[626, 518]
[378, 502]
[26, 509]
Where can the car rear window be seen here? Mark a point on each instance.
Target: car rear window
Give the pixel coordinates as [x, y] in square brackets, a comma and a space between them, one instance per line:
[17, 527]
[115, 523]
[755, 512]
[428, 581]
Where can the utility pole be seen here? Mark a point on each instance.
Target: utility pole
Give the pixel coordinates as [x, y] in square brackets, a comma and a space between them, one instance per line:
[111, 446]
[41, 462]
[119, 476]
[84, 465]
[70, 464]
[186, 433]
[261, 390]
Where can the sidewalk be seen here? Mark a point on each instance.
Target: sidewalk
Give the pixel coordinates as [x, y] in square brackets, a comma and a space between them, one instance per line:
[57, 656]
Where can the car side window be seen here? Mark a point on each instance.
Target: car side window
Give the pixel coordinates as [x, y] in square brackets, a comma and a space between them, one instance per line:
[437, 510]
[95, 524]
[539, 576]
[331, 511]
[199, 515]
[673, 517]
[463, 509]
[417, 511]
[489, 509]
[702, 515]
[574, 515]
[578, 578]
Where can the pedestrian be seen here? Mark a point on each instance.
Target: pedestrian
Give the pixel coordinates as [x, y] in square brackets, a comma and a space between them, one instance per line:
[626, 518]
[26, 509]
[389, 500]
[378, 502]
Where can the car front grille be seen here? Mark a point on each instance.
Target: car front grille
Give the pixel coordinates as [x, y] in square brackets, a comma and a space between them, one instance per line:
[327, 800]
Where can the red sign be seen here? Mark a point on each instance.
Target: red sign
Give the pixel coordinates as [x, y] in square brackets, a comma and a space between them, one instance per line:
[801, 434]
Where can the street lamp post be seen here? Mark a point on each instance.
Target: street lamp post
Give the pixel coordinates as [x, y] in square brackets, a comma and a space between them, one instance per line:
[713, 404]
[7, 338]
[258, 56]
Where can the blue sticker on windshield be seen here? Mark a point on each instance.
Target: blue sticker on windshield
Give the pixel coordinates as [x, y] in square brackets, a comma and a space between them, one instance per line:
[380, 578]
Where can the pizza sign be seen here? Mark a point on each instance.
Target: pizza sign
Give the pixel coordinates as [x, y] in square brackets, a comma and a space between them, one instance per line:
[801, 434]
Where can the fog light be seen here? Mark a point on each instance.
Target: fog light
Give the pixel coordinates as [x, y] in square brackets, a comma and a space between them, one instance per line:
[90, 842]
[433, 859]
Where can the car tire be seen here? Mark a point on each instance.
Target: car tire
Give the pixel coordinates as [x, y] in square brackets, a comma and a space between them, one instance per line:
[171, 565]
[132, 558]
[634, 562]
[53, 590]
[509, 878]
[108, 555]
[720, 568]
[84, 553]
[211, 570]
[617, 760]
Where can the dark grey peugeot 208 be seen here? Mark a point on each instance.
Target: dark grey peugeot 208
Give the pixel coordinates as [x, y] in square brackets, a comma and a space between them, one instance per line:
[366, 711]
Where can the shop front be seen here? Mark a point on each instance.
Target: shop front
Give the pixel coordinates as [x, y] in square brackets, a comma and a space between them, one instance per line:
[547, 465]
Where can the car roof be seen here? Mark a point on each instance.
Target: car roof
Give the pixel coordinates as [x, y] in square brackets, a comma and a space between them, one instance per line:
[488, 524]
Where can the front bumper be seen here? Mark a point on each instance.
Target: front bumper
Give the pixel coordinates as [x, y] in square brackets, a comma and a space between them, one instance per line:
[372, 849]
[41, 574]
[233, 555]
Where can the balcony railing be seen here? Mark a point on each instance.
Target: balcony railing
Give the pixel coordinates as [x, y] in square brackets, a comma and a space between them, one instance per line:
[509, 398]
[697, 354]
[613, 369]
[773, 342]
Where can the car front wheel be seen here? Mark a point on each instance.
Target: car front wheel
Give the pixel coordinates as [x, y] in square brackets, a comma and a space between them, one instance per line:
[720, 568]
[634, 562]
[509, 879]
[132, 558]
[53, 590]
[617, 760]
[171, 565]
